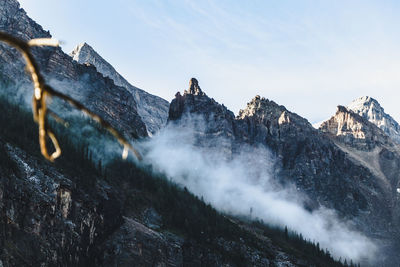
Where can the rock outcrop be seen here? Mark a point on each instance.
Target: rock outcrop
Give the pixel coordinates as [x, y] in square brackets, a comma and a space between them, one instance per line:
[194, 88]
[152, 109]
[306, 156]
[85, 83]
[355, 131]
[71, 213]
[368, 108]
[47, 219]
[212, 123]
[371, 147]
[316, 165]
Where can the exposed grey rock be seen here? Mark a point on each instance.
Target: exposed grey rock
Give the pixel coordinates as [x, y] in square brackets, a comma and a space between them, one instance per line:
[316, 165]
[355, 130]
[368, 108]
[152, 109]
[368, 146]
[194, 87]
[46, 219]
[135, 244]
[214, 128]
[98, 93]
[152, 219]
[306, 157]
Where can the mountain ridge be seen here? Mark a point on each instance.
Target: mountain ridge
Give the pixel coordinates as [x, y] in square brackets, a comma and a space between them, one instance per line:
[331, 170]
[370, 109]
[152, 109]
[84, 83]
[317, 163]
[369, 146]
[75, 213]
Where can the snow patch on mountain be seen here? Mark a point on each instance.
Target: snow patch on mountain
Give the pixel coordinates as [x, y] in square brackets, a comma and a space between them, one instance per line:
[370, 109]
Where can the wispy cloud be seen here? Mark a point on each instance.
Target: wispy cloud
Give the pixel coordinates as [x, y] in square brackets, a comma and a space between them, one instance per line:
[244, 186]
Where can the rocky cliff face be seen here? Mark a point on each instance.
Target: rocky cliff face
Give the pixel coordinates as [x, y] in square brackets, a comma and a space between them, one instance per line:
[371, 110]
[317, 165]
[355, 131]
[152, 109]
[73, 214]
[213, 123]
[306, 157]
[85, 83]
[46, 217]
[368, 146]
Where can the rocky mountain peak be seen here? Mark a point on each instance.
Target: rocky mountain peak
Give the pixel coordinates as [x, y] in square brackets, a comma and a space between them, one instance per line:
[82, 82]
[194, 87]
[194, 100]
[364, 101]
[305, 156]
[370, 109]
[260, 105]
[9, 4]
[82, 51]
[152, 109]
[85, 54]
[354, 130]
[345, 122]
[14, 18]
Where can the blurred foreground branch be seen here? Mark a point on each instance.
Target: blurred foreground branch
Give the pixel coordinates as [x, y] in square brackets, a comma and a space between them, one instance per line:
[43, 90]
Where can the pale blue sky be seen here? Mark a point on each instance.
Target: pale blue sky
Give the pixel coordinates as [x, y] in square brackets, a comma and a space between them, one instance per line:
[307, 55]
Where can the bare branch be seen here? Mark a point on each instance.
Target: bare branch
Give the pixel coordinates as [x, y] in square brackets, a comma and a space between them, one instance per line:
[42, 91]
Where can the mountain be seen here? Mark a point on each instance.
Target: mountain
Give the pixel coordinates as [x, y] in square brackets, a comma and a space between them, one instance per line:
[306, 157]
[355, 130]
[80, 211]
[85, 211]
[368, 108]
[349, 165]
[85, 83]
[152, 109]
[218, 129]
[77, 213]
[371, 147]
[368, 137]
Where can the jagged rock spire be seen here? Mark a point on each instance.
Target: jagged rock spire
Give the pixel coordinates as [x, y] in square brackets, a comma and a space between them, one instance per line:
[194, 87]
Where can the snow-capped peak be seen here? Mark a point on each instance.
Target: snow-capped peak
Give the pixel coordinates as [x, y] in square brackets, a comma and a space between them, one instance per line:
[370, 109]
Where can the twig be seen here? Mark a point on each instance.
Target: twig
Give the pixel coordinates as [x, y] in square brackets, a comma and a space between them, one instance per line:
[42, 90]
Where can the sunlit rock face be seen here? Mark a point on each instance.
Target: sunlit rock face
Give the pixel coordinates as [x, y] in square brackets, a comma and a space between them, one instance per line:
[194, 88]
[348, 164]
[317, 165]
[368, 108]
[355, 130]
[370, 146]
[69, 216]
[100, 94]
[152, 109]
[305, 156]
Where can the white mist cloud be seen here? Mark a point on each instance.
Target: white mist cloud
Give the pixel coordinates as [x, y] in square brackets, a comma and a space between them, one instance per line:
[235, 186]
